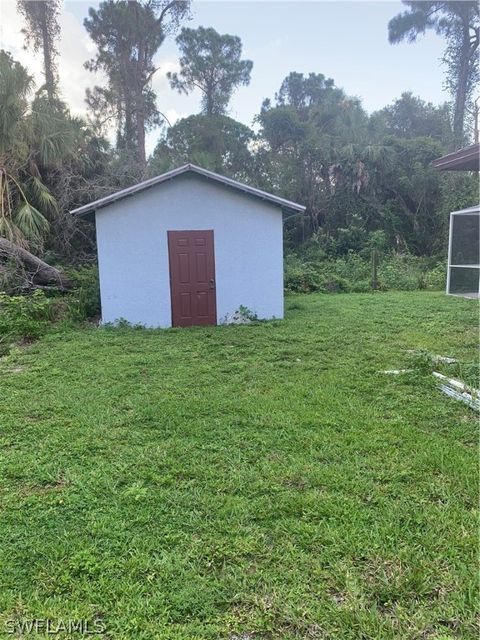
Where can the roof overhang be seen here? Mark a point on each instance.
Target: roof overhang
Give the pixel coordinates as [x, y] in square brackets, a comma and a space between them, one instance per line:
[285, 205]
[467, 159]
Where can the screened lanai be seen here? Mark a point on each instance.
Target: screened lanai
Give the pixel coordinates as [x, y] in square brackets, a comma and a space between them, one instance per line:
[463, 270]
[463, 276]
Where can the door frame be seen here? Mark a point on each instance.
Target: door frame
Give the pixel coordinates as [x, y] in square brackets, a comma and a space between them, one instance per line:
[170, 234]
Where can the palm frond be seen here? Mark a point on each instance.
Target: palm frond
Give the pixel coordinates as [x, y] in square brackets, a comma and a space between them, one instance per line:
[32, 224]
[41, 195]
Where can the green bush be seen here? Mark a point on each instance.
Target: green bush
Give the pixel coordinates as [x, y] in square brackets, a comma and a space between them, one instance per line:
[24, 317]
[353, 272]
[333, 283]
[352, 268]
[362, 286]
[28, 317]
[399, 273]
[85, 300]
[436, 278]
[300, 276]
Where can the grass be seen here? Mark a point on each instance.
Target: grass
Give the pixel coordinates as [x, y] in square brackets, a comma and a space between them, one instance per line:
[248, 482]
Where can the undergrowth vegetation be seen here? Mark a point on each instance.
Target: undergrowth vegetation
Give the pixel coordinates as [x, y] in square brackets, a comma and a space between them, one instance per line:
[23, 318]
[352, 272]
[27, 317]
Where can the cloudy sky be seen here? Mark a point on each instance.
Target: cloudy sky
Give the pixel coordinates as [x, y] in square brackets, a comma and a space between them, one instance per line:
[344, 40]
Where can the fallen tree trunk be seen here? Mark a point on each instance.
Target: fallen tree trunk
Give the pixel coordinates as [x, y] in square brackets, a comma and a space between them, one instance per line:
[39, 272]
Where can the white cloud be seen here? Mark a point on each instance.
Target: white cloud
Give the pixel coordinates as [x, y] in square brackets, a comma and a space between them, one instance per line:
[152, 137]
[174, 116]
[164, 65]
[161, 84]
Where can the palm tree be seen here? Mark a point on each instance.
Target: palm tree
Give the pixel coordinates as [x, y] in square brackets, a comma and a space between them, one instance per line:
[24, 199]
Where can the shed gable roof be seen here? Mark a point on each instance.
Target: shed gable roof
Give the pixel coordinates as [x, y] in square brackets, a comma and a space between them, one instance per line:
[188, 168]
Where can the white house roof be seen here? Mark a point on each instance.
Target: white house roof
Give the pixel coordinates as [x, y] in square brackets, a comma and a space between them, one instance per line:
[146, 184]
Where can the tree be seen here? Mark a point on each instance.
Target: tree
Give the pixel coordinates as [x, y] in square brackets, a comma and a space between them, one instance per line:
[128, 34]
[215, 142]
[458, 21]
[312, 147]
[408, 196]
[46, 158]
[211, 63]
[359, 177]
[65, 155]
[41, 31]
[20, 220]
[307, 92]
[412, 117]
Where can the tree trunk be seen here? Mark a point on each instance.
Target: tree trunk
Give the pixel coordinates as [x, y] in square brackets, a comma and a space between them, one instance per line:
[128, 137]
[40, 272]
[47, 54]
[127, 133]
[140, 84]
[374, 260]
[140, 122]
[462, 88]
[209, 99]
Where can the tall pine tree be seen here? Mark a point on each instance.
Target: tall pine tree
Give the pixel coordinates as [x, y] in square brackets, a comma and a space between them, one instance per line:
[459, 23]
[41, 32]
[128, 34]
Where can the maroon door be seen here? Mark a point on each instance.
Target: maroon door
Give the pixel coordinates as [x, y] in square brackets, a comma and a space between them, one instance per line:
[192, 278]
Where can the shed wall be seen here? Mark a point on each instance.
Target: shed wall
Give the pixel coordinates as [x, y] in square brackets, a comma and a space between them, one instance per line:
[133, 250]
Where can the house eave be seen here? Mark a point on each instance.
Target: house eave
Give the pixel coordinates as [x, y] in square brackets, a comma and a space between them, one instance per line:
[466, 159]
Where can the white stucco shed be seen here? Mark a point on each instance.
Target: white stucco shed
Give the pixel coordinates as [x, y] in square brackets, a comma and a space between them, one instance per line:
[189, 247]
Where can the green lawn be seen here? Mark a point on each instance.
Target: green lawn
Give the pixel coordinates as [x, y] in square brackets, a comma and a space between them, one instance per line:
[250, 482]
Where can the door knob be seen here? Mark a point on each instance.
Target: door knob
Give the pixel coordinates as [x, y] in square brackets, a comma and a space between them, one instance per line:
[212, 284]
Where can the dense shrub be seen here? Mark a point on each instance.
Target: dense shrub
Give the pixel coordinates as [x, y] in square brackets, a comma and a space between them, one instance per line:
[400, 272]
[353, 272]
[24, 317]
[27, 317]
[85, 300]
[300, 276]
[436, 278]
